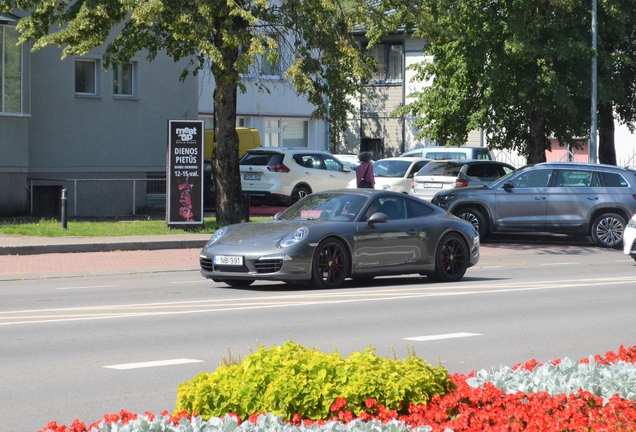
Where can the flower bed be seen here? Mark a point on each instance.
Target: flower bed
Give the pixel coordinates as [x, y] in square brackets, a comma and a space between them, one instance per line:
[595, 394]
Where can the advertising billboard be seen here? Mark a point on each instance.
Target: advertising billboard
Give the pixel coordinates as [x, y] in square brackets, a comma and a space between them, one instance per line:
[184, 192]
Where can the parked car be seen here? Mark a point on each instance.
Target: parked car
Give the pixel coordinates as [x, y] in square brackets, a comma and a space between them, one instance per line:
[349, 160]
[441, 152]
[629, 238]
[456, 173]
[395, 174]
[330, 236]
[553, 197]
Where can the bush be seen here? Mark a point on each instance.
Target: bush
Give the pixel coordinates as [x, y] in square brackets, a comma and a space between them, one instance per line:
[290, 379]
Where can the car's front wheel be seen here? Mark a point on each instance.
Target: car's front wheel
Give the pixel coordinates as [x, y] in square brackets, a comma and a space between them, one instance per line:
[607, 230]
[476, 218]
[330, 265]
[451, 259]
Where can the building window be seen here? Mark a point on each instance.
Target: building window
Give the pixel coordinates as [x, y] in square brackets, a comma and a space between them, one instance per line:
[123, 79]
[270, 61]
[295, 133]
[272, 133]
[86, 77]
[390, 58]
[10, 71]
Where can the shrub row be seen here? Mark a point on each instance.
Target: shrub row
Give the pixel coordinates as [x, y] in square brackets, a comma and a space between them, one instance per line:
[292, 380]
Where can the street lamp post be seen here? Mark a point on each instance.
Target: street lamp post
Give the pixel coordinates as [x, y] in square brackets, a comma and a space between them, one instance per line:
[592, 146]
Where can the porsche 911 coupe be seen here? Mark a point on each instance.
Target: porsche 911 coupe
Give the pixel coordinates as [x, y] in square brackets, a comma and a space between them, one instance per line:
[330, 236]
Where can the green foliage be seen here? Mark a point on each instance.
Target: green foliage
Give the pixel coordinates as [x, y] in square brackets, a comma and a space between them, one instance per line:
[290, 379]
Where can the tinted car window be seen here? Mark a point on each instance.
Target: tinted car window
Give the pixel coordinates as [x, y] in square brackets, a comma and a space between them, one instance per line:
[482, 170]
[533, 179]
[444, 155]
[613, 180]
[417, 209]
[261, 159]
[440, 168]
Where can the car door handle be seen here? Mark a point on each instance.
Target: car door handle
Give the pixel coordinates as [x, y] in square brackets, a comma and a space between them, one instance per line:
[592, 198]
[540, 198]
[412, 232]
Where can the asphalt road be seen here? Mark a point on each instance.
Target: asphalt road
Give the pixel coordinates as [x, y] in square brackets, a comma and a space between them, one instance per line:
[79, 344]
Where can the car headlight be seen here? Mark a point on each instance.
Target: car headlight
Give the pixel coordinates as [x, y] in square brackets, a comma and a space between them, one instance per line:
[631, 223]
[217, 235]
[297, 236]
[386, 187]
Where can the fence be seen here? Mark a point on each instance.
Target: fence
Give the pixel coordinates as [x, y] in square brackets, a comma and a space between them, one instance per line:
[154, 187]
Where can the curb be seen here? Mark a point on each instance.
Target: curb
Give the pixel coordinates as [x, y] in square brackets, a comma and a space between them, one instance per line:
[101, 247]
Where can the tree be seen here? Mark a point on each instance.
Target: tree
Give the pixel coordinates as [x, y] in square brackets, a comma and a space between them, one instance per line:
[511, 68]
[326, 62]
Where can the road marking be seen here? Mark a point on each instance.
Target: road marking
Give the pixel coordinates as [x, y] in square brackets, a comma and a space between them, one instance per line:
[35, 316]
[441, 336]
[158, 363]
[86, 287]
[623, 260]
[192, 281]
[565, 263]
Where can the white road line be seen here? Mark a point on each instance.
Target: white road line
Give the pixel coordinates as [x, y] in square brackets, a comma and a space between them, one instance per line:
[441, 336]
[624, 260]
[86, 287]
[564, 263]
[152, 364]
[188, 282]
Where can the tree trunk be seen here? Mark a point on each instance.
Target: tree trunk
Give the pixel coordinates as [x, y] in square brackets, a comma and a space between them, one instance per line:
[606, 149]
[537, 144]
[230, 206]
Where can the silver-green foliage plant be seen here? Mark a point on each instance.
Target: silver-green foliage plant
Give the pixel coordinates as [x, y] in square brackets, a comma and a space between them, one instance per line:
[290, 379]
[264, 423]
[567, 377]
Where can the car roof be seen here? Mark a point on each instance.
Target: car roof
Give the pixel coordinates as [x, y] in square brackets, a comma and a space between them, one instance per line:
[404, 158]
[581, 165]
[288, 149]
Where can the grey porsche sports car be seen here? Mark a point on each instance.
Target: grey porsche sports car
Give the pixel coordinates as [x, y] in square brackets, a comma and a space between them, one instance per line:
[333, 235]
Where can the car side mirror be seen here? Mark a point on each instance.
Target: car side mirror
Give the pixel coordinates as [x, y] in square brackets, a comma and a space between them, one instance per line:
[508, 186]
[346, 169]
[377, 217]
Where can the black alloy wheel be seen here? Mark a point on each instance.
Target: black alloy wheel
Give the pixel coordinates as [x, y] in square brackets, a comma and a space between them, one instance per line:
[451, 259]
[331, 264]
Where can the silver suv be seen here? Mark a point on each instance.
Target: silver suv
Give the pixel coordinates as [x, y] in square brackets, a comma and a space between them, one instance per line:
[285, 175]
[569, 198]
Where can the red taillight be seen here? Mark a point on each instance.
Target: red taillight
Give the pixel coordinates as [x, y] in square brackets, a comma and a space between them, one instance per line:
[461, 183]
[279, 167]
[412, 183]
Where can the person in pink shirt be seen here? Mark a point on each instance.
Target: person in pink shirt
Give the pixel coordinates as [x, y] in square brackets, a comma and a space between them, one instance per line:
[364, 171]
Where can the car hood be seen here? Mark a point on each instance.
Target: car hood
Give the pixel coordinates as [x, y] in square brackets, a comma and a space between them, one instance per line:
[260, 233]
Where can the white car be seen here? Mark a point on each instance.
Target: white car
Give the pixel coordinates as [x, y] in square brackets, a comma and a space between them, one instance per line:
[395, 174]
[275, 175]
[456, 173]
[629, 238]
[349, 160]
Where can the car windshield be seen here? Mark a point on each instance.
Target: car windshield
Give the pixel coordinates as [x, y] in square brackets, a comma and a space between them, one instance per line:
[442, 168]
[390, 168]
[327, 206]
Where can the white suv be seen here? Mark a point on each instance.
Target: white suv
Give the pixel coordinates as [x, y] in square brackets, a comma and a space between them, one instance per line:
[273, 175]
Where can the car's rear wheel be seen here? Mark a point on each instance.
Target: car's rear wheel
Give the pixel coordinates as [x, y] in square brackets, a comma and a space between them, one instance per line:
[451, 259]
[239, 282]
[476, 218]
[299, 193]
[331, 264]
[607, 230]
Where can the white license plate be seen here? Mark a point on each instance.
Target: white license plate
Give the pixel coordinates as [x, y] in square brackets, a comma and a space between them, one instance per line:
[433, 185]
[251, 176]
[228, 260]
